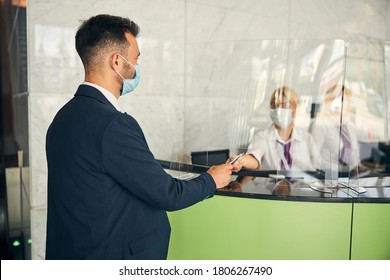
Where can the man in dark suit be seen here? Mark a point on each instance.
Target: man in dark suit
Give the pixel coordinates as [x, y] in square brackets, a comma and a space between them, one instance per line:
[107, 194]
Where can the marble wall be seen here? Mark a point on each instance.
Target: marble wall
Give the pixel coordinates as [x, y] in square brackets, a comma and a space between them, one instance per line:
[179, 41]
[224, 54]
[388, 22]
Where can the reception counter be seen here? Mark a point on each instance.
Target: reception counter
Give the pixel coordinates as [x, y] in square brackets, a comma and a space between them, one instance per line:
[255, 221]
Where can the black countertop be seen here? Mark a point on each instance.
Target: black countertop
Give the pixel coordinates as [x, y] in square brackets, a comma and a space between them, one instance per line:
[371, 187]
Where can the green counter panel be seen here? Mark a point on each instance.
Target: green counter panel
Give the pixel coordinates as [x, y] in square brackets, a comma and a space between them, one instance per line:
[229, 228]
[371, 231]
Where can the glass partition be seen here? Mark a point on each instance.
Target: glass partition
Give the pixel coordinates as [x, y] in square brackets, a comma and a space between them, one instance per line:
[312, 117]
[365, 114]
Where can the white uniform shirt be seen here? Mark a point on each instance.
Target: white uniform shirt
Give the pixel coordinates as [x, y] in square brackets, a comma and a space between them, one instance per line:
[326, 133]
[268, 149]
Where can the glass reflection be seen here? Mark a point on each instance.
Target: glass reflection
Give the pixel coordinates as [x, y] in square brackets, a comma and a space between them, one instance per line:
[283, 187]
[334, 133]
[316, 108]
[55, 64]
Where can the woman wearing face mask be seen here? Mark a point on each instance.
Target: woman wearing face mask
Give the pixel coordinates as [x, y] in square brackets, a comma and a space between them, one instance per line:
[337, 143]
[281, 146]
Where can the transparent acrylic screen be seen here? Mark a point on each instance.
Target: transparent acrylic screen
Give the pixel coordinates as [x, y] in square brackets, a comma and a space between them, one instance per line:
[338, 122]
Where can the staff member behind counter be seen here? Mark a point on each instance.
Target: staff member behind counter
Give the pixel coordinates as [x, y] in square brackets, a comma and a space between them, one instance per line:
[337, 142]
[281, 146]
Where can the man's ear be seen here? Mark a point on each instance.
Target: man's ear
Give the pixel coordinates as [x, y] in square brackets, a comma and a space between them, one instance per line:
[114, 60]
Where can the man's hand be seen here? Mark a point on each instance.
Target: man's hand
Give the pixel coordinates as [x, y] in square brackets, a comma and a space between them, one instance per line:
[221, 174]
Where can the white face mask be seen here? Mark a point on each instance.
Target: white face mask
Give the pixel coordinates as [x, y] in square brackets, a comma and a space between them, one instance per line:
[282, 117]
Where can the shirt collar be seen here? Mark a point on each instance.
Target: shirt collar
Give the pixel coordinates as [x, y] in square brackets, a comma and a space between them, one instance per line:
[295, 136]
[107, 94]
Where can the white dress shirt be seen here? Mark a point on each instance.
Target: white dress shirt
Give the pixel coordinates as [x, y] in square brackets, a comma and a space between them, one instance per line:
[110, 97]
[267, 148]
[326, 134]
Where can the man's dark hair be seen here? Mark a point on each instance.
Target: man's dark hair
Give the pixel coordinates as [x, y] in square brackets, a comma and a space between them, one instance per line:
[100, 34]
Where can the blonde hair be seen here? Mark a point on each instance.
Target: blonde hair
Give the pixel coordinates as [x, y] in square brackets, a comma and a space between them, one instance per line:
[286, 92]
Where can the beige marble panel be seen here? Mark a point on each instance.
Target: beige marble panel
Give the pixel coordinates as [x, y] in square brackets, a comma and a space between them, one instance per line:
[161, 119]
[220, 24]
[54, 66]
[42, 111]
[38, 233]
[338, 19]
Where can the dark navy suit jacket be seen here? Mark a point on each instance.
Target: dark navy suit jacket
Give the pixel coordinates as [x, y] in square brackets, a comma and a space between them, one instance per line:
[107, 194]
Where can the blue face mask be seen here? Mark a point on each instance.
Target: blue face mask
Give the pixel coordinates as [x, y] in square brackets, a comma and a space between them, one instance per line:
[130, 84]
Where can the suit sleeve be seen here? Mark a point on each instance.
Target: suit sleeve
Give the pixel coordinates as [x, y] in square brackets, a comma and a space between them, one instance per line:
[128, 160]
